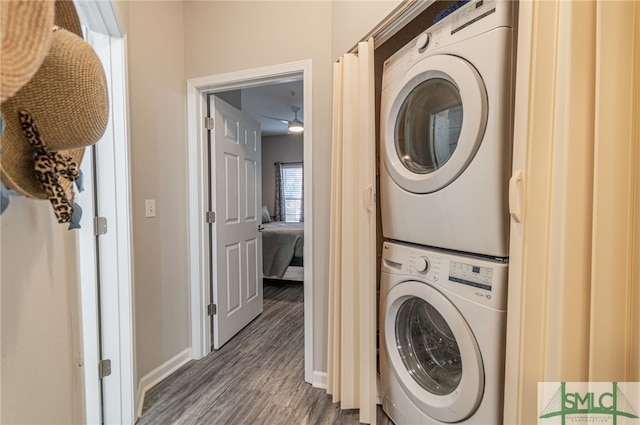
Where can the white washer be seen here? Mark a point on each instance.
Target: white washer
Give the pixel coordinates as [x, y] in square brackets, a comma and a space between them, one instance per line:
[442, 336]
[446, 132]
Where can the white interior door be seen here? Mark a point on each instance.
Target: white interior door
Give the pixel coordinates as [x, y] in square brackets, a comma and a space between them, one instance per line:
[236, 194]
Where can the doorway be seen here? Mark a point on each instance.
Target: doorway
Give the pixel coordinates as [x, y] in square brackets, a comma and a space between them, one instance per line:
[199, 250]
[104, 252]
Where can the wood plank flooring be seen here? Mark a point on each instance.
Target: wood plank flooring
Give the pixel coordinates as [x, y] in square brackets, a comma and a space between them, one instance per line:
[256, 378]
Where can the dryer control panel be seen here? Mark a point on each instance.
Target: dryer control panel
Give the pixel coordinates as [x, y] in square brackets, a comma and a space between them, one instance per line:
[472, 13]
[474, 18]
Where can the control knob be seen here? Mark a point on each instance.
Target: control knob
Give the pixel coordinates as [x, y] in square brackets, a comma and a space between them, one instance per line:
[422, 265]
[423, 40]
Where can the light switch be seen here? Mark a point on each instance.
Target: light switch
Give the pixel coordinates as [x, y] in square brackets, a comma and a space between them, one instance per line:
[150, 207]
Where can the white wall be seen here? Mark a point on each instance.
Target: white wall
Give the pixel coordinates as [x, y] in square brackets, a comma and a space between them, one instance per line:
[39, 286]
[158, 171]
[121, 9]
[287, 148]
[352, 20]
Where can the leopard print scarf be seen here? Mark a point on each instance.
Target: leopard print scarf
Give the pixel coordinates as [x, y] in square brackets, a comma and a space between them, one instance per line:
[50, 168]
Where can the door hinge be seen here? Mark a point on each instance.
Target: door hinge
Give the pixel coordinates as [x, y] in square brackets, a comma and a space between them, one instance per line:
[212, 309]
[208, 123]
[211, 217]
[99, 225]
[104, 368]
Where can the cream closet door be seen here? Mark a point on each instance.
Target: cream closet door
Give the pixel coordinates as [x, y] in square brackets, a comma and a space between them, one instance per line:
[236, 244]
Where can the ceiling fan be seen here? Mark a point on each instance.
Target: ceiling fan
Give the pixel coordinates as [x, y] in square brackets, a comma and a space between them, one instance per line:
[295, 125]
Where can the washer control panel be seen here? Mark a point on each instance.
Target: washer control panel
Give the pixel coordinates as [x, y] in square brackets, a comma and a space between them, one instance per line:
[479, 279]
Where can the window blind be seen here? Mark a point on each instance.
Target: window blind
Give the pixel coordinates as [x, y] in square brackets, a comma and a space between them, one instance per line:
[292, 191]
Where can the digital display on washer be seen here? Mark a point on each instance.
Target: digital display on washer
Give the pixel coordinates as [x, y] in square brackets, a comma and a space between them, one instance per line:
[468, 274]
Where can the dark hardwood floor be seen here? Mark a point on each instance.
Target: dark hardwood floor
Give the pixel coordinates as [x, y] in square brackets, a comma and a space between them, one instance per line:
[256, 378]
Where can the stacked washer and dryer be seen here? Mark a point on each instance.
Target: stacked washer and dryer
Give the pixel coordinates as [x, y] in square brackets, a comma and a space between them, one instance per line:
[446, 136]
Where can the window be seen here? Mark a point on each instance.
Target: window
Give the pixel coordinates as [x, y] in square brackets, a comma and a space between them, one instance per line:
[292, 193]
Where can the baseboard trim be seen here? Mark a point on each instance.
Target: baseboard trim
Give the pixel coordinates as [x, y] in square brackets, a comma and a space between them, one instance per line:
[319, 380]
[158, 374]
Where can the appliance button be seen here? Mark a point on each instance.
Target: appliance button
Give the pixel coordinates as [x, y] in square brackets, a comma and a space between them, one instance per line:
[436, 276]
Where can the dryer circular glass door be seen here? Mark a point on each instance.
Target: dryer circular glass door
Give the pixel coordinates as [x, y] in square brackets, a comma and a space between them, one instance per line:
[433, 122]
[432, 352]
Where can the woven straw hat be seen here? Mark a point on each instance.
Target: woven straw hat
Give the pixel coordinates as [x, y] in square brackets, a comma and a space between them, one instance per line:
[25, 28]
[67, 17]
[67, 99]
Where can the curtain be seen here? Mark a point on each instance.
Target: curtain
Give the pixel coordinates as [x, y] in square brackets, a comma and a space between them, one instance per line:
[351, 367]
[278, 208]
[574, 299]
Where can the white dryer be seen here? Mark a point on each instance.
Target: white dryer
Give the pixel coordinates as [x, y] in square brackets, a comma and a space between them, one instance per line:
[446, 132]
[442, 336]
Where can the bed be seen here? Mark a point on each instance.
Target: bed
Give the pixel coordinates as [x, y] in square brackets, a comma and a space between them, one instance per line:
[282, 248]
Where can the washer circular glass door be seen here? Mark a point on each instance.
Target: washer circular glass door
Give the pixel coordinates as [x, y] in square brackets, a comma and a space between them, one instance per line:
[434, 122]
[432, 352]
